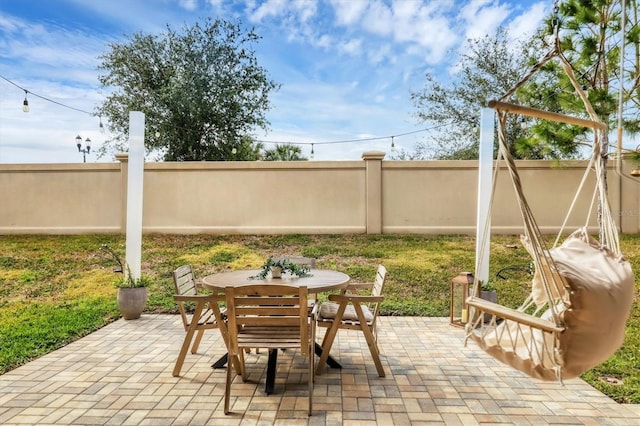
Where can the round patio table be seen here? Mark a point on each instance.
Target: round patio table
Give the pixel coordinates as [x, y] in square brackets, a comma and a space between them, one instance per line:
[319, 281]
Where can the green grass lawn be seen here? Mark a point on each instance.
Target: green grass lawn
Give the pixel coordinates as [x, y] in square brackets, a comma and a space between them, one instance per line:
[55, 289]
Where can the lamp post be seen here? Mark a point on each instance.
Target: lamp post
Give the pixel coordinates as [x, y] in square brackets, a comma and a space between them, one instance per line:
[86, 149]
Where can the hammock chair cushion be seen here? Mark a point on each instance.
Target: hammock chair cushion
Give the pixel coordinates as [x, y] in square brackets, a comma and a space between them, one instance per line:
[601, 293]
[600, 286]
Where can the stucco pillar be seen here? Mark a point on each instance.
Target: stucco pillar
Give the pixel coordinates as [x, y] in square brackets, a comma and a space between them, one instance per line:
[123, 158]
[373, 191]
[629, 199]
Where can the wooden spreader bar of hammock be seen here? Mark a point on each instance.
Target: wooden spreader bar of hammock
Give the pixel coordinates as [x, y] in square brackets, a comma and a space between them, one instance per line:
[512, 314]
[538, 113]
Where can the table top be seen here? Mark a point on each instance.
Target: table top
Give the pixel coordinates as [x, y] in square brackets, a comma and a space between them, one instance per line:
[321, 280]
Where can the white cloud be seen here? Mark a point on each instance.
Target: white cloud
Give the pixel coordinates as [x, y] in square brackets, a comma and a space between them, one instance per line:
[189, 5]
[270, 8]
[525, 25]
[378, 19]
[299, 10]
[353, 47]
[483, 17]
[348, 12]
[324, 41]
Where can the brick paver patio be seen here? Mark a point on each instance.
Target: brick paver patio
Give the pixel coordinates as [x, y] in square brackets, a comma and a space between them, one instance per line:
[121, 374]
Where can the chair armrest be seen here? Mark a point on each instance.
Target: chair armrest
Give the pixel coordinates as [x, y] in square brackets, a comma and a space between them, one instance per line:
[360, 286]
[315, 311]
[355, 298]
[355, 287]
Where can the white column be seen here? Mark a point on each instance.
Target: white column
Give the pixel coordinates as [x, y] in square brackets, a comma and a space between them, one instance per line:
[485, 186]
[134, 193]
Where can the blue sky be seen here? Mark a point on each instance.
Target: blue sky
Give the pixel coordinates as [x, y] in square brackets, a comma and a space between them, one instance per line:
[346, 67]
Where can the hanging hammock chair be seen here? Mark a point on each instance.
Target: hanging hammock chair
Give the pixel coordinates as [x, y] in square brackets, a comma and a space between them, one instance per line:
[582, 289]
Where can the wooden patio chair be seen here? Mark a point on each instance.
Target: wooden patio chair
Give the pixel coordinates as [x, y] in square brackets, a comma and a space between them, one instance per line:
[352, 311]
[268, 316]
[206, 314]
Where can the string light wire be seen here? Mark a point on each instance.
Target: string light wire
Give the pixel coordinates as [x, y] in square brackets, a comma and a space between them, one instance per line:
[374, 138]
[45, 98]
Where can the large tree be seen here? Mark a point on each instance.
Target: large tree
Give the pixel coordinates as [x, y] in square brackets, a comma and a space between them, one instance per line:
[201, 89]
[487, 68]
[590, 37]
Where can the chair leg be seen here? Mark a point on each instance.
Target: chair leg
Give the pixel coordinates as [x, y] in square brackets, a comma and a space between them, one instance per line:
[227, 388]
[191, 330]
[373, 348]
[310, 378]
[196, 342]
[183, 350]
[242, 372]
[327, 342]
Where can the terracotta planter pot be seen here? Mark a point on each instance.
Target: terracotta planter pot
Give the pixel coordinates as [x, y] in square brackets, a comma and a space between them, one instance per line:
[132, 301]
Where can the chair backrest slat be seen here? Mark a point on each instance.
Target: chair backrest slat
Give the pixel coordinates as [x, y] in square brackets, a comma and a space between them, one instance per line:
[378, 284]
[184, 281]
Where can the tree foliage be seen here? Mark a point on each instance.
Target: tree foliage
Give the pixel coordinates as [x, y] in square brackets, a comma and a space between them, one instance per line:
[201, 89]
[590, 37]
[285, 152]
[487, 68]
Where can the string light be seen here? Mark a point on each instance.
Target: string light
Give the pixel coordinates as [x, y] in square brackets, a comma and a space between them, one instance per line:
[25, 104]
[101, 126]
[523, 123]
[393, 145]
[312, 153]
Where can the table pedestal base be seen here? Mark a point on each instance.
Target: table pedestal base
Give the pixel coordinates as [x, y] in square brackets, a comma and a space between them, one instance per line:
[272, 362]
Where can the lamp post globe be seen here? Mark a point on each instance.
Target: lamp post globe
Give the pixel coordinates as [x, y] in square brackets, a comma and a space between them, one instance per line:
[86, 149]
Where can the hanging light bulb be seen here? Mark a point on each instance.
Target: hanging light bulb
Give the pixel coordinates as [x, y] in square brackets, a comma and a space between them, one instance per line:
[523, 123]
[312, 153]
[25, 104]
[393, 145]
[101, 126]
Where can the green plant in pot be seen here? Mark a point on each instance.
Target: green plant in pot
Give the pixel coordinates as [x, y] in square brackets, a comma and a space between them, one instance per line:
[132, 292]
[281, 266]
[132, 295]
[488, 292]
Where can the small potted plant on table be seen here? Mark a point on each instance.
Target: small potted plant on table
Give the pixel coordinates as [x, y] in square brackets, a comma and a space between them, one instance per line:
[280, 266]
